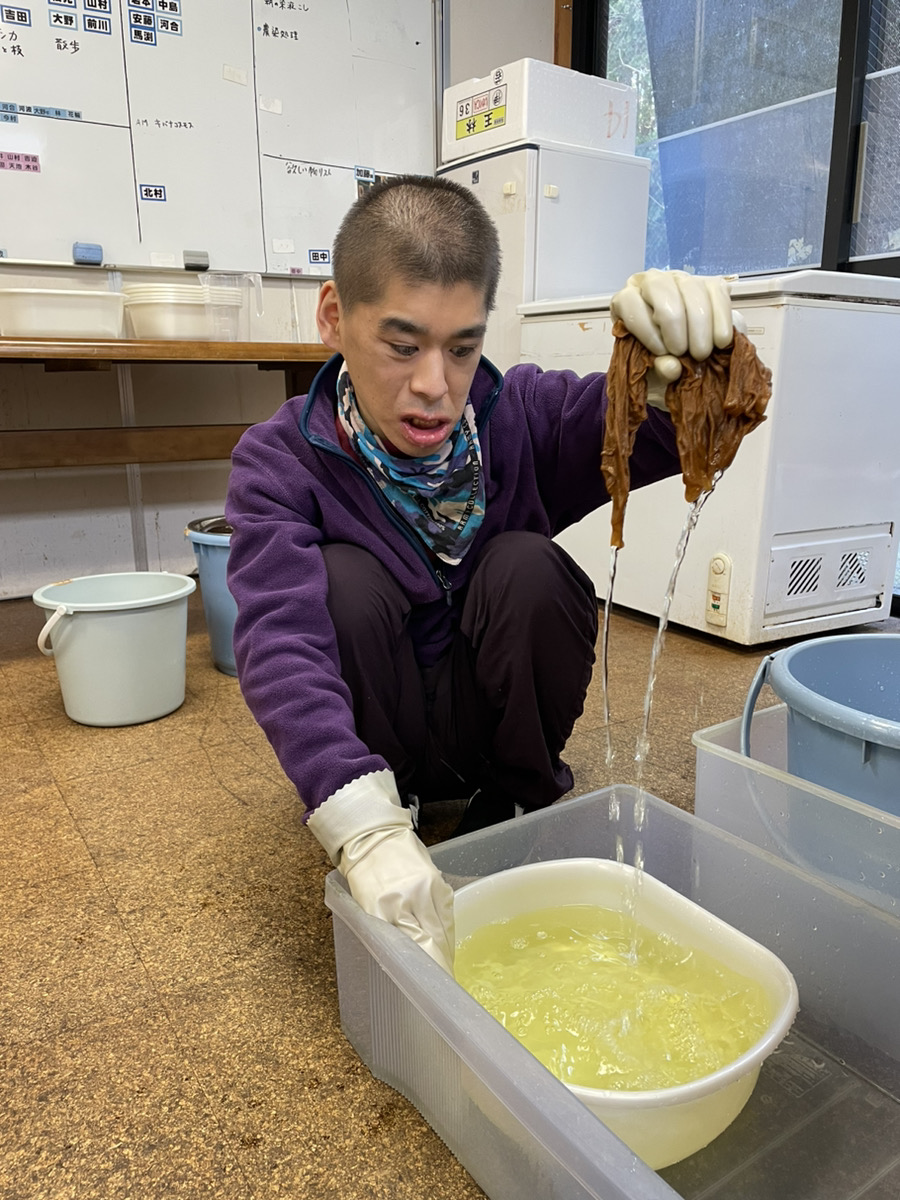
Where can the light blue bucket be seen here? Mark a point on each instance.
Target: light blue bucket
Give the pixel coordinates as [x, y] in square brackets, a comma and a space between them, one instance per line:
[843, 701]
[119, 643]
[211, 539]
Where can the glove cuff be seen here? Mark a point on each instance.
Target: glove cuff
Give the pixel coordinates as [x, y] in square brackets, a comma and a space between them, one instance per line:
[361, 806]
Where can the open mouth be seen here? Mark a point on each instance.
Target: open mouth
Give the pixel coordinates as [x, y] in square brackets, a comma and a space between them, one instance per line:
[425, 431]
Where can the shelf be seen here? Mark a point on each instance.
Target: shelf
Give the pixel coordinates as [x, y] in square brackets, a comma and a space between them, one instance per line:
[132, 351]
[36, 449]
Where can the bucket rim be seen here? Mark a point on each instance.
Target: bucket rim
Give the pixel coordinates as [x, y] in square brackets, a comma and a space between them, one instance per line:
[183, 586]
[197, 532]
[207, 539]
[816, 707]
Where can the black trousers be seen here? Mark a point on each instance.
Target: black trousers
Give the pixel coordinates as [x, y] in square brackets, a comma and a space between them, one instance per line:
[495, 713]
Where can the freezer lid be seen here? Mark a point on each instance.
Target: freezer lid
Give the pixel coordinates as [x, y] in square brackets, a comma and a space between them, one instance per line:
[819, 285]
[822, 285]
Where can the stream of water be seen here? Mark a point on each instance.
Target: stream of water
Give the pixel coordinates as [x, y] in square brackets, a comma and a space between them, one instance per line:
[643, 742]
[642, 749]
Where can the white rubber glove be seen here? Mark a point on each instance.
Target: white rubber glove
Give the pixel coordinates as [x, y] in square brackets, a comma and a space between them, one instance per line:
[368, 836]
[674, 313]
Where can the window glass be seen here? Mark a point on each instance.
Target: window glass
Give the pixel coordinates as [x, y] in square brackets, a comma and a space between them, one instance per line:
[736, 106]
[877, 232]
[884, 35]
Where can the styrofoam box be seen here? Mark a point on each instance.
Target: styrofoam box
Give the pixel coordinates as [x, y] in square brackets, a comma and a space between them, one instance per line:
[520, 1132]
[853, 845]
[534, 99]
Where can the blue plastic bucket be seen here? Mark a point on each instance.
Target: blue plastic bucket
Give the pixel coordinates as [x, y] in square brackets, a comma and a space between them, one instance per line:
[119, 644]
[843, 722]
[211, 539]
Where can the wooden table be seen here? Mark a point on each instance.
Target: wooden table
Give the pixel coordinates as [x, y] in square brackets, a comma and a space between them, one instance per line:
[129, 444]
[31, 449]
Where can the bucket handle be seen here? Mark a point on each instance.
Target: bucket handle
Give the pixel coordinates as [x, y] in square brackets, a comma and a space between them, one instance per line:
[759, 679]
[55, 617]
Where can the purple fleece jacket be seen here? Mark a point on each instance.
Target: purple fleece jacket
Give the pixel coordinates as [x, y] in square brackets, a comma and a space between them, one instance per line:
[293, 489]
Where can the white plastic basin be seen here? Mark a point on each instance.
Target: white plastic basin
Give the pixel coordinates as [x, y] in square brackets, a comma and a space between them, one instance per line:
[168, 319]
[669, 1124]
[184, 311]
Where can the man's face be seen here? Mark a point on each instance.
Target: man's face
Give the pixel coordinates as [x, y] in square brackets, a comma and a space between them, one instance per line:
[411, 355]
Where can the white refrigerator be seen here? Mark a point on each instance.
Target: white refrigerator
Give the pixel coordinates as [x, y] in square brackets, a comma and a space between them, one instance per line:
[800, 534]
[571, 221]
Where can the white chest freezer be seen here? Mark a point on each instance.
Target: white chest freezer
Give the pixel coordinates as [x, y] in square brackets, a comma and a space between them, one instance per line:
[800, 534]
[571, 221]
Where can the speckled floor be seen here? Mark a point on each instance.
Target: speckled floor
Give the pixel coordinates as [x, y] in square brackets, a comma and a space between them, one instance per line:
[168, 1009]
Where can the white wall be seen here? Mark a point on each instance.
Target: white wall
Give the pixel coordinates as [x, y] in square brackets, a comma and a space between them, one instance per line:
[485, 35]
[55, 524]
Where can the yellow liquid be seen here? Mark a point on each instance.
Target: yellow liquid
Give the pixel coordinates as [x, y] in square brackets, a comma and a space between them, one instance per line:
[564, 981]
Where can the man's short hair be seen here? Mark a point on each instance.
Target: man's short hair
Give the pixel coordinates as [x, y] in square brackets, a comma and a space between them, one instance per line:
[421, 230]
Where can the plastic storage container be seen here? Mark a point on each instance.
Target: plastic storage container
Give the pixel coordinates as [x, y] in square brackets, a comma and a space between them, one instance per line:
[843, 700]
[824, 1120]
[60, 312]
[211, 539]
[665, 1125]
[854, 846]
[119, 642]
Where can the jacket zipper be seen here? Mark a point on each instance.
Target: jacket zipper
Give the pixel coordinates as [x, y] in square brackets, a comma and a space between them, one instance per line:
[445, 584]
[439, 576]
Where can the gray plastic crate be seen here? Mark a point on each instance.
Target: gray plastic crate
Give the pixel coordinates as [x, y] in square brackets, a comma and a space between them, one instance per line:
[824, 1121]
